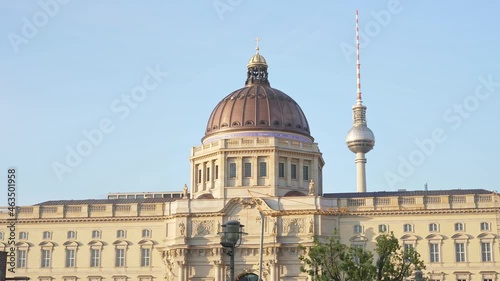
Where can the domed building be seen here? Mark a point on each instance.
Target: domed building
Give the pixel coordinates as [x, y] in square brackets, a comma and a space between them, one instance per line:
[258, 165]
[257, 139]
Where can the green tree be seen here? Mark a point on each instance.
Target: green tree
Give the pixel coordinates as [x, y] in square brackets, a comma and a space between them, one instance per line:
[395, 263]
[330, 260]
[333, 261]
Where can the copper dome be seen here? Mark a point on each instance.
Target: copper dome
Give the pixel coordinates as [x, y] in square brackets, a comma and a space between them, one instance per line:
[257, 107]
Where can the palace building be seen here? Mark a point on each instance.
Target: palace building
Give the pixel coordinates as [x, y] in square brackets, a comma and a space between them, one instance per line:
[257, 164]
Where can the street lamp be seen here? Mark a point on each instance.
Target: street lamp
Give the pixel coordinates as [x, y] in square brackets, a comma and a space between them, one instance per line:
[231, 238]
[418, 275]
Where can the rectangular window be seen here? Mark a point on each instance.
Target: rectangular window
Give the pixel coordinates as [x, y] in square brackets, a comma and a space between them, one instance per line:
[434, 252]
[485, 226]
[485, 252]
[407, 247]
[145, 257]
[70, 257]
[208, 173]
[305, 172]
[21, 258]
[281, 168]
[358, 228]
[263, 169]
[232, 170]
[120, 257]
[294, 171]
[433, 227]
[45, 258]
[248, 170]
[95, 257]
[216, 171]
[460, 252]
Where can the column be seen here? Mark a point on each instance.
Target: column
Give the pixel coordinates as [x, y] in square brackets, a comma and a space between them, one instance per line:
[288, 169]
[255, 171]
[217, 271]
[315, 175]
[181, 272]
[239, 171]
[300, 173]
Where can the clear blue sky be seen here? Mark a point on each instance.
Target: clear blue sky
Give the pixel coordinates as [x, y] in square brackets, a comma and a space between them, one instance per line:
[65, 68]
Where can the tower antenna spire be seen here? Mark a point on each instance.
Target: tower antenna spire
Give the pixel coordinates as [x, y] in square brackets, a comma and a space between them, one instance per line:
[358, 65]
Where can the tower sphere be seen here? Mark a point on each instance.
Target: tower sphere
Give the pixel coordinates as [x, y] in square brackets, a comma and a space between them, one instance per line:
[360, 139]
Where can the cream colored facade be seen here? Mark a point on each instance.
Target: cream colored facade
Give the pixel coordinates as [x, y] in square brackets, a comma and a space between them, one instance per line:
[266, 172]
[184, 242]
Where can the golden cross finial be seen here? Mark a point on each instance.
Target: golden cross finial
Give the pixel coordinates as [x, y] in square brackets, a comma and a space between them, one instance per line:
[257, 40]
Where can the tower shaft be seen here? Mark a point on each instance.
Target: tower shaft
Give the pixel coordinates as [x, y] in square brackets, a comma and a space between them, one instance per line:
[360, 172]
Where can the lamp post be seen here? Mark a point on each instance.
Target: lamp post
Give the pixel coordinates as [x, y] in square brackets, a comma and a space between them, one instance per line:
[418, 275]
[231, 238]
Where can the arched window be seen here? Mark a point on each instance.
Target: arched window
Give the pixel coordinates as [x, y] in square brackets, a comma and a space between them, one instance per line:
[146, 233]
[408, 228]
[248, 277]
[23, 235]
[47, 235]
[459, 226]
[485, 226]
[71, 234]
[358, 228]
[433, 227]
[120, 233]
[382, 228]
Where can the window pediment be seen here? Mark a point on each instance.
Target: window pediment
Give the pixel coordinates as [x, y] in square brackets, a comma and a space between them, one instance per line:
[72, 244]
[410, 237]
[122, 243]
[24, 244]
[147, 242]
[47, 244]
[97, 243]
[461, 236]
[358, 238]
[435, 237]
[485, 235]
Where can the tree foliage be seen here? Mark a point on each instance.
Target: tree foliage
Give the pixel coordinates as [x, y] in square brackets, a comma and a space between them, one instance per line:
[330, 260]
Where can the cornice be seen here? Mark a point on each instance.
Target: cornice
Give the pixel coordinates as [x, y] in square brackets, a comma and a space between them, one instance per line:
[87, 219]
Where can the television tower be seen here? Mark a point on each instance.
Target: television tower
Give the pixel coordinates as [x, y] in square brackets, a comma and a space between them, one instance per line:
[360, 138]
